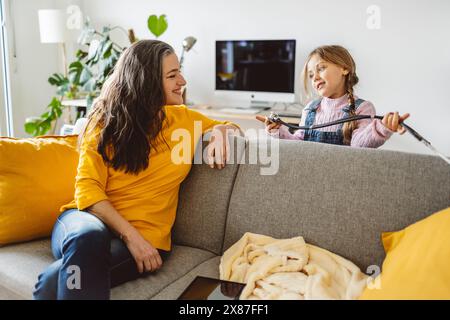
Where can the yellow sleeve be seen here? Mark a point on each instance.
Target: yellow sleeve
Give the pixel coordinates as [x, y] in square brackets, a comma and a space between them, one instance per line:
[207, 123]
[92, 175]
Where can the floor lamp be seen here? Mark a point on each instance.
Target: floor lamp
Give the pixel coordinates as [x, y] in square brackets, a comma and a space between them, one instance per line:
[52, 30]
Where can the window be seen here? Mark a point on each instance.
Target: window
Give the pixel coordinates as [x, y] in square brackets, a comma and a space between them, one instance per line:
[6, 123]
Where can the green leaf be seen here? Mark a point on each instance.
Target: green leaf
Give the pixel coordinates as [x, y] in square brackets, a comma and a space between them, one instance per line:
[31, 125]
[75, 69]
[55, 103]
[57, 79]
[89, 101]
[44, 127]
[157, 25]
[81, 54]
[75, 65]
[62, 83]
[62, 90]
[85, 76]
[55, 109]
[106, 29]
[90, 85]
[115, 54]
[45, 115]
[58, 112]
[106, 52]
[87, 33]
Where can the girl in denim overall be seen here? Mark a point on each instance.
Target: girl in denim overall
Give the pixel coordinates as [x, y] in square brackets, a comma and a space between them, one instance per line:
[331, 71]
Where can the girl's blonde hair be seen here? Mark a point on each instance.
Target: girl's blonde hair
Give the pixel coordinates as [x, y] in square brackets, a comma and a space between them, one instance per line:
[340, 56]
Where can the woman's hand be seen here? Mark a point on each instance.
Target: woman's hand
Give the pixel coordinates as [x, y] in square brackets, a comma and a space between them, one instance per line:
[147, 258]
[218, 149]
[271, 127]
[392, 121]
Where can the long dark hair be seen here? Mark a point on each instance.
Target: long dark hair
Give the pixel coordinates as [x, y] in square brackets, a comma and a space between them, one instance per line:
[129, 111]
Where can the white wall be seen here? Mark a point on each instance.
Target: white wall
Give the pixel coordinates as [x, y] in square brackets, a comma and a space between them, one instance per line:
[31, 64]
[404, 66]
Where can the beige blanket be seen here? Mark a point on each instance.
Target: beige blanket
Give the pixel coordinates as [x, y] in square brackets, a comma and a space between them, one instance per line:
[289, 269]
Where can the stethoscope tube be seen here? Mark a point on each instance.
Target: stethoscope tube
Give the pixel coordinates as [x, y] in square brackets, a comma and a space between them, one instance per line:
[273, 117]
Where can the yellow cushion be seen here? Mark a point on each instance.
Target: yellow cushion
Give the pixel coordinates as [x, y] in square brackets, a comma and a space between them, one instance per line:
[37, 176]
[417, 263]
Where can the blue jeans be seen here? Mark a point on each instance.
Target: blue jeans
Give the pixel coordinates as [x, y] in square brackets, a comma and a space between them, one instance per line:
[90, 260]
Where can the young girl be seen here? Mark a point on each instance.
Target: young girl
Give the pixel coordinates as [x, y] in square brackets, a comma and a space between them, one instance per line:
[332, 73]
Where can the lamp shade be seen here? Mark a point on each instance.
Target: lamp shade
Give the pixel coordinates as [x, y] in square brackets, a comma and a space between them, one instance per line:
[52, 26]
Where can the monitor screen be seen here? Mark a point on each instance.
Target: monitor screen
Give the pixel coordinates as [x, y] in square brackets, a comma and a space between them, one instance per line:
[256, 65]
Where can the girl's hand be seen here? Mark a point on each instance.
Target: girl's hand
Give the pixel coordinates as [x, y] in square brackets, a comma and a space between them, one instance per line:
[218, 149]
[271, 127]
[392, 122]
[147, 258]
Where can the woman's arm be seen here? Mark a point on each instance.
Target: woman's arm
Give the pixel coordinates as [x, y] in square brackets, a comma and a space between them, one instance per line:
[147, 258]
[90, 195]
[219, 145]
[218, 149]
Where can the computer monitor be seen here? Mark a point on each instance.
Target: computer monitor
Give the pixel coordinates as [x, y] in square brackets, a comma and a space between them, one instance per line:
[255, 72]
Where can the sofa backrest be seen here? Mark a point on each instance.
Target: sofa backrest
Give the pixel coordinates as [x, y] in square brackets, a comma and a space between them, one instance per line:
[338, 198]
[203, 203]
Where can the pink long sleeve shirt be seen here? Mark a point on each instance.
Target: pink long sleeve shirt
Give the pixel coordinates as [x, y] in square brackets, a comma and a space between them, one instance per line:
[369, 133]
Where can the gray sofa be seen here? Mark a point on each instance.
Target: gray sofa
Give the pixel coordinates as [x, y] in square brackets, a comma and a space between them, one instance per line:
[336, 197]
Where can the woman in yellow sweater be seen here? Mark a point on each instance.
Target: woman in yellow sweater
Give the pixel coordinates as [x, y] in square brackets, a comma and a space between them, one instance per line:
[118, 226]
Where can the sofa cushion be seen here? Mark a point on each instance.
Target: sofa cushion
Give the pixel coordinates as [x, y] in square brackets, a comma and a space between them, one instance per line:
[37, 176]
[338, 198]
[209, 268]
[203, 203]
[20, 265]
[417, 262]
[181, 260]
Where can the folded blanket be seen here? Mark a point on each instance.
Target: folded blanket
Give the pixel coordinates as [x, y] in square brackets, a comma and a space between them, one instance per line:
[289, 269]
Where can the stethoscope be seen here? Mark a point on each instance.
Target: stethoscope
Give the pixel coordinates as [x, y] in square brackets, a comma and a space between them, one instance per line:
[274, 117]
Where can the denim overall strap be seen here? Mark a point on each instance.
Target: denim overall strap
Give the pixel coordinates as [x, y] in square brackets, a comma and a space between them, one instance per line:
[346, 109]
[312, 108]
[336, 137]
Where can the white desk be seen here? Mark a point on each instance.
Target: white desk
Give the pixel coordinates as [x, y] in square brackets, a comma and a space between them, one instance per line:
[75, 103]
[288, 116]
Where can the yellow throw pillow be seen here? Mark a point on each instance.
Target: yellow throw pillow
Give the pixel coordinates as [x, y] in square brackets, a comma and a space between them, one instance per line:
[37, 177]
[417, 263]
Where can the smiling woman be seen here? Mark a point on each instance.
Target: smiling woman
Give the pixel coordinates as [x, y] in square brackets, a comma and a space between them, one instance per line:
[173, 81]
[126, 190]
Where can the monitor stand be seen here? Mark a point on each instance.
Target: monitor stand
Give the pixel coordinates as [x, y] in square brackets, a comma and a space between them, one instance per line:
[262, 105]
